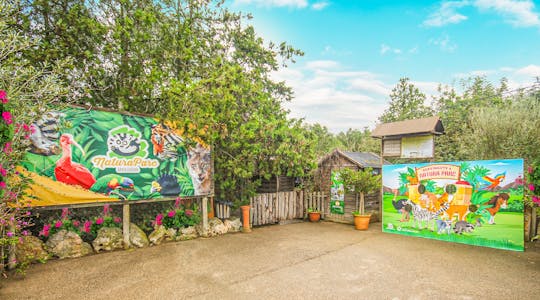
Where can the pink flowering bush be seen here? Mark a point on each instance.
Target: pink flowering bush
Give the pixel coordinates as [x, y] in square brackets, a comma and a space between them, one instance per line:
[64, 223]
[532, 185]
[25, 94]
[178, 216]
[87, 229]
[107, 219]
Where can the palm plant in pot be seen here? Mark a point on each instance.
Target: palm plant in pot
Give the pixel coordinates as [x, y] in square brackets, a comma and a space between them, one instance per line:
[360, 182]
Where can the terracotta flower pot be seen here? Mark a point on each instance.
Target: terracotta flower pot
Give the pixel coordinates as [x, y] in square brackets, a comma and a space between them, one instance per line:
[314, 216]
[245, 218]
[361, 222]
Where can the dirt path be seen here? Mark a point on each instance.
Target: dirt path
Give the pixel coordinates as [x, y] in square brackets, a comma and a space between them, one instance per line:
[304, 260]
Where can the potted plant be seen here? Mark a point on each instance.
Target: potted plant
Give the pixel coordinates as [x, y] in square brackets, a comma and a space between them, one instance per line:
[245, 208]
[360, 183]
[314, 215]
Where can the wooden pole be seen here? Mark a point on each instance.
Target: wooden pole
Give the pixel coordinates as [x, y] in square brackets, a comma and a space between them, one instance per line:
[125, 224]
[12, 260]
[382, 185]
[205, 214]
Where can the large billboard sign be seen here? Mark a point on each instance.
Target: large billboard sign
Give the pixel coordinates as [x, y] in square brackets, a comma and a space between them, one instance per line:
[471, 202]
[80, 156]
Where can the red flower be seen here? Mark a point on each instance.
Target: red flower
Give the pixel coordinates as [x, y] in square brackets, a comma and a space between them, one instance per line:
[7, 148]
[117, 220]
[3, 172]
[99, 221]
[76, 223]
[171, 214]
[531, 187]
[159, 219]
[58, 224]
[65, 213]
[7, 117]
[189, 213]
[2, 185]
[3, 97]
[87, 226]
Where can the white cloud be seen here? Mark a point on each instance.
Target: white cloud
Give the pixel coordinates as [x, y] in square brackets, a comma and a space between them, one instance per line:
[322, 64]
[444, 43]
[385, 49]
[320, 5]
[446, 14]
[517, 13]
[518, 77]
[413, 50]
[530, 70]
[277, 3]
[370, 85]
[328, 93]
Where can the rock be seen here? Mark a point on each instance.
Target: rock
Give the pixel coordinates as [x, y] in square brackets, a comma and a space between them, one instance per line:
[30, 249]
[65, 244]
[187, 233]
[87, 249]
[108, 239]
[157, 236]
[215, 227]
[137, 237]
[233, 224]
[170, 235]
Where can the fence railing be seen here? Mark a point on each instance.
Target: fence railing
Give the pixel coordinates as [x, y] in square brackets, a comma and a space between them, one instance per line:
[271, 208]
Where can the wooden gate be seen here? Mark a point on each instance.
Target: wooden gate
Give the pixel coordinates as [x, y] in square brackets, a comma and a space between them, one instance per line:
[271, 208]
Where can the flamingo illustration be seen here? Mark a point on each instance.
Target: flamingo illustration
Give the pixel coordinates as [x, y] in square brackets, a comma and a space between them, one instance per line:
[69, 172]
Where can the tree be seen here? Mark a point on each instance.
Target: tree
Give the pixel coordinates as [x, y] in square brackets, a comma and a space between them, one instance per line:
[25, 93]
[325, 141]
[455, 110]
[406, 102]
[356, 140]
[497, 133]
[191, 62]
[360, 182]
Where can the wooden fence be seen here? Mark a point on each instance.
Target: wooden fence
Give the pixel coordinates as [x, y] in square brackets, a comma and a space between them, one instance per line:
[271, 208]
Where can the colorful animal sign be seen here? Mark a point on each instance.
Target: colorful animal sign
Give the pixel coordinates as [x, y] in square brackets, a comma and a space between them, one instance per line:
[337, 197]
[80, 156]
[472, 202]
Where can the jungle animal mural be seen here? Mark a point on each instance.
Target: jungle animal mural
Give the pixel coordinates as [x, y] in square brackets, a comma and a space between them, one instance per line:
[475, 202]
[79, 155]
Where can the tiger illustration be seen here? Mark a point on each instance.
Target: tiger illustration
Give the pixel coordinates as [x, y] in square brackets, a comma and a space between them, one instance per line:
[199, 164]
[165, 142]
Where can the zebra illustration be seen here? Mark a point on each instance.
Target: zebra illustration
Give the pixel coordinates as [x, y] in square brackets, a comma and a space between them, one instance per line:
[424, 215]
[45, 134]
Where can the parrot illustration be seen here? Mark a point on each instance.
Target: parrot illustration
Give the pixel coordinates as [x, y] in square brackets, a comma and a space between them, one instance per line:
[488, 183]
[111, 182]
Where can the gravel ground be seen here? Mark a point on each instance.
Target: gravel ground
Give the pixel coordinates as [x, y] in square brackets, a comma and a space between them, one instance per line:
[296, 261]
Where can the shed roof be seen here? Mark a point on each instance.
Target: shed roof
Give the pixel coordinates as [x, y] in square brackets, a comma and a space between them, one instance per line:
[361, 159]
[431, 125]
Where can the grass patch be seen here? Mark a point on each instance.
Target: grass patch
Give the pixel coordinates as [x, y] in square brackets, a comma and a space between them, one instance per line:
[507, 233]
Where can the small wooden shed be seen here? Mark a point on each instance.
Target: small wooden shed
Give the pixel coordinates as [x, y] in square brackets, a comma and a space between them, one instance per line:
[409, 138]
[339, 159]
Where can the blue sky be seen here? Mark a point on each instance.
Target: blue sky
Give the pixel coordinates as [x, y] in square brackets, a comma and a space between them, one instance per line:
[356, 51]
